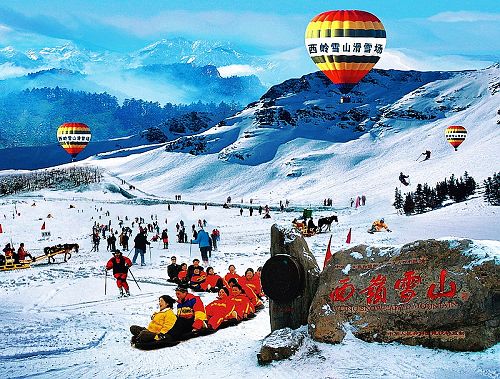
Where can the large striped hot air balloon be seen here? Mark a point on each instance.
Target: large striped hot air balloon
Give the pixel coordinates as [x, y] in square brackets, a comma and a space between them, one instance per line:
[455, 134]
[345, 45]
[73, 137]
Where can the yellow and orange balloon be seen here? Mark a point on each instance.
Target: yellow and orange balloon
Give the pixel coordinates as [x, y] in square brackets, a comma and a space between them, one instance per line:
[73, 137]
[455, 135]
[345, 45]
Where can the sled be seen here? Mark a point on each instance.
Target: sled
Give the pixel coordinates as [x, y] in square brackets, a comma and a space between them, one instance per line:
[302, 228]
[159, 344]
[51, 252]
[8, 266]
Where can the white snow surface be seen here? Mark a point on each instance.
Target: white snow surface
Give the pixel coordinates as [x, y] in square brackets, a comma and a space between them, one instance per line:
[56, 321]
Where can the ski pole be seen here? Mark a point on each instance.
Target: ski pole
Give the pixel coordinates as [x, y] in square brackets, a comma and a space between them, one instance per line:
[134, 279]
[150, 255]
[190, 245]
[105, 282]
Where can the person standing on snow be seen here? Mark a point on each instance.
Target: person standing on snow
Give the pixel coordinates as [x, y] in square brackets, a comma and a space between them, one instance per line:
[203, 241]
[140, 241]
[120, 265]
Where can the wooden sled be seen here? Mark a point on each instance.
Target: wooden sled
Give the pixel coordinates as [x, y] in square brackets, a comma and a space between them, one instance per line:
[10, 265]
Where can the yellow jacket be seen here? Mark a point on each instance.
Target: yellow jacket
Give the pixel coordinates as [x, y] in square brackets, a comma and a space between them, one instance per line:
[162, 322]
[379, 225]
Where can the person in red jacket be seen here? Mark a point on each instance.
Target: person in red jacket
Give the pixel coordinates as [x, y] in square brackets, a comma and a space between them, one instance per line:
[182, 276]
[253, 281]
[243, 306]
[220, 310]
[213, 282]
[191, 315]
[231, 274]
[248, 292]
[197, 279]
[22, 253]
[120, 265]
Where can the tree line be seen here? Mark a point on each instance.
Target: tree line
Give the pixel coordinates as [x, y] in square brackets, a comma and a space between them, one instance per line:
[50, 178]
[426, 198]
[492, 189]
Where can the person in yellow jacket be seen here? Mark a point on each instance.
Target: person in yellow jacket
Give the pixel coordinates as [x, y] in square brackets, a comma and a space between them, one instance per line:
[161, 322]
[378, 226]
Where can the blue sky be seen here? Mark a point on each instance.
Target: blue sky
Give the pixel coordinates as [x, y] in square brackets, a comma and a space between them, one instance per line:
[426, 33]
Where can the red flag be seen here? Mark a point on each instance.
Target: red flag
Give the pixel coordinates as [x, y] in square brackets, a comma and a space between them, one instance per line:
[348, 240]
[1, 231]
[43, 226]
[328, 253]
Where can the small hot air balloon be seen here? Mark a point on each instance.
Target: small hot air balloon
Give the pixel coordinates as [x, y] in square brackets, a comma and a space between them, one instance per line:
[73, 137]
[345, 45]
[455, 135]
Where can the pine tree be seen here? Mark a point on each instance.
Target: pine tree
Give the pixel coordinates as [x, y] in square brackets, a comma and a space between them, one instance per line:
[409, 205]
[398, 201]
[419, 198]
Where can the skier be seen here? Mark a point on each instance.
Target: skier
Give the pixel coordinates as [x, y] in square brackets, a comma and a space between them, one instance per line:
[402, 179]
[241, 211]
[426, 154]
[120, 265]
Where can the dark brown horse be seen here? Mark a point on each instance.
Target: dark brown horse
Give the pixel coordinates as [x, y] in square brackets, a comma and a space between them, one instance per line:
[326, 221]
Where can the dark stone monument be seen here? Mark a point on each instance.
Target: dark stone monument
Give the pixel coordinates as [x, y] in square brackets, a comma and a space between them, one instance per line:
[290, 279]
[443, 294]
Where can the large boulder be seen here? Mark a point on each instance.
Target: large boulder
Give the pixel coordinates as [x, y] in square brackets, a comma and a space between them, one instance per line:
[443, 294]
[281, 344]
[295, 312]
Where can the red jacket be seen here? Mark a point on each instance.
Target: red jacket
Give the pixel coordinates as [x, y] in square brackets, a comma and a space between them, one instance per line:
[220, 310]
[119, 265]
[243, 306]
[210, 280]
[230, 276]
[254, 283]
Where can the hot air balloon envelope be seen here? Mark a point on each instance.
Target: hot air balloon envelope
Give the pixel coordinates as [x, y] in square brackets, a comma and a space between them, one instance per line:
[455, 135]
[345, 45]
[73, 137]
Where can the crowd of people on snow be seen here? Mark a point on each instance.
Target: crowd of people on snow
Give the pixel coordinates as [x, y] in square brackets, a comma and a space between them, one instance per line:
[238, 298]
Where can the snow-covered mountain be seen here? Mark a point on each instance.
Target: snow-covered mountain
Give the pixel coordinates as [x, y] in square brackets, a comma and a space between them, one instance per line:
[135, 75]
[200, 53]
[298, 134]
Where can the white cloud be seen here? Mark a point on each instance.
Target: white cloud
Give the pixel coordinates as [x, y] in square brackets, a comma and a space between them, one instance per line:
[406, 59]
[239, 70]
[9, 70]
[464, 16]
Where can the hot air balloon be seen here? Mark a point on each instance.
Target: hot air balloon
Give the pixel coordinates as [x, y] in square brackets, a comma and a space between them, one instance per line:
[73, 137]
[455, 135]
[345, 45]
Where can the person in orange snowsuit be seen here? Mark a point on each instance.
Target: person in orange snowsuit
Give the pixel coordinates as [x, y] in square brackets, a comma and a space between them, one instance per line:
[243, 305]
[231, 274]
[213, 282]
[253, 281]
[182, 276]
[248, 291]
[221, 309]
[120, 265]
[197, 279]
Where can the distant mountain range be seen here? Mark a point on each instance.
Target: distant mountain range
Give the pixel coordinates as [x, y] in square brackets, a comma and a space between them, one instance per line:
[175, 71]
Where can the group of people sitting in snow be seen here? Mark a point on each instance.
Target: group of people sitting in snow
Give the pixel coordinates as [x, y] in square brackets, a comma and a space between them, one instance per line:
[9, 254]
[238, 298]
